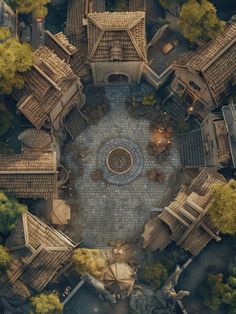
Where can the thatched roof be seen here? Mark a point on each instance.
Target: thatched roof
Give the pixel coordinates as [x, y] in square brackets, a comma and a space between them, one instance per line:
[216, 61]
[186, 220]
[119, 279]
[123, 31]
[57, 211]
[38, 252]
[35, 139]
[29, 174]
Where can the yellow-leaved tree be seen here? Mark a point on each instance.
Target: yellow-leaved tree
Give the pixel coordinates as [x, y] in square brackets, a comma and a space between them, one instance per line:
[91, 261]
[46, 303]
[15, 59]
[10, 211]
[223, 209]
[198, 20]
[37, 7]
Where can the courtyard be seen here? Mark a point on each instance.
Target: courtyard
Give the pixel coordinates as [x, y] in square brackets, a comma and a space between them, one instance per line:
[117, 207]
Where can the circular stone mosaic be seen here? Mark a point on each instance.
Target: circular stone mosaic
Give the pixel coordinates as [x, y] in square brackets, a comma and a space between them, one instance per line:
[120, 160]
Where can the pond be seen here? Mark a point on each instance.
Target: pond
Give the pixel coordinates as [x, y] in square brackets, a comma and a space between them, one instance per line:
[215, 258]
[86, 301]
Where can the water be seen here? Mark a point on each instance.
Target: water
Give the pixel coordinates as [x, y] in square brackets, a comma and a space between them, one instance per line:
[86, 301]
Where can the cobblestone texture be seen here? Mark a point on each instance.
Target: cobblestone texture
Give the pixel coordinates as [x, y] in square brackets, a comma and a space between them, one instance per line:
[109, 211]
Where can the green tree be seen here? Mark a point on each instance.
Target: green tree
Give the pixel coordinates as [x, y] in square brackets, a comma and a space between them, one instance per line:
[216, 292]
[154, 273]
[10, 211]
[5, 257]
[198, 20]
[15, 59]
[223, 209]
[149, 100]
[37, 8]
[46, 304]
[89, 260]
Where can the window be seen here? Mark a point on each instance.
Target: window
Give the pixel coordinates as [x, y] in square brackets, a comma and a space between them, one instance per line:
[194, 86]
[180, 88]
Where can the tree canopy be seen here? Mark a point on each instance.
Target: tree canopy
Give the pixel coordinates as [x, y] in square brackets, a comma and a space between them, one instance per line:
[89, 260]
[223, 209]
[15, 59]
[5, 257]
[4, 33]
[198, 20]
[46, 304]
[37, 8]
[154, 273]
[217, 292]
[10, 211]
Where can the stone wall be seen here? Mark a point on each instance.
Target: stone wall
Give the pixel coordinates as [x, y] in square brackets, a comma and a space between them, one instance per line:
[101, 71]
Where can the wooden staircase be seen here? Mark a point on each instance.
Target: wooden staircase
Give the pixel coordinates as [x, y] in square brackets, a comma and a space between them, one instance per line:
[176, 107]
[75, 122]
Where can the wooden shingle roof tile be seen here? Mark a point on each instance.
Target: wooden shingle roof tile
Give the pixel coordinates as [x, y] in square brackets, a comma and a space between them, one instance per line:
[216, 61]
[45, 85]
[37, 260]
[29, 174]
[186, 220]
[106, 29]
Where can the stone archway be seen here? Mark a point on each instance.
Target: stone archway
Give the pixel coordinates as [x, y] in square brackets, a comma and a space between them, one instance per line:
[118, 78]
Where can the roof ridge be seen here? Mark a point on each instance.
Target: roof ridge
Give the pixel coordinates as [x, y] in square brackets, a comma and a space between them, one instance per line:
[219, 54]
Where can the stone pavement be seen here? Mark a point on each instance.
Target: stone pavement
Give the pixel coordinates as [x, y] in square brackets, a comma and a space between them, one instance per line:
[107, 211]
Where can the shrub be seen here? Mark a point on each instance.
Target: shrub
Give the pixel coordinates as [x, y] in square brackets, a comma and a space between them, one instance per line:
[46, 304]
[154, 273]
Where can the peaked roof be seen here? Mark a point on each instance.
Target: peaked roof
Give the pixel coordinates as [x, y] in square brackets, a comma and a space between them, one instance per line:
[119, 278]
[38, 252]
[35, 139]
[186, 220]
[216, 60]
[106, 29]
[60, 45]
[29, 174]
[45, 85]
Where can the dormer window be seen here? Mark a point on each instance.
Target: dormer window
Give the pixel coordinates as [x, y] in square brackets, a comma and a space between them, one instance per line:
[194, 86]
[116, 51]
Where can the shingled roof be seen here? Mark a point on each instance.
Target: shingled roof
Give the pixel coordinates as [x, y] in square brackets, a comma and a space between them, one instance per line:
[29, 174]
[216, 61]
[60, 45]
[186, 220]
[38, 253]
[45, 85]
[116, 30]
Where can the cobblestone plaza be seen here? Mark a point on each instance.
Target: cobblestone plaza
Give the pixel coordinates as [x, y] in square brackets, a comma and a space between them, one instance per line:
[109, 211]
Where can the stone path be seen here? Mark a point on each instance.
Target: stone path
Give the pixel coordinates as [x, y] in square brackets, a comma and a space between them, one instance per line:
[108, 211]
